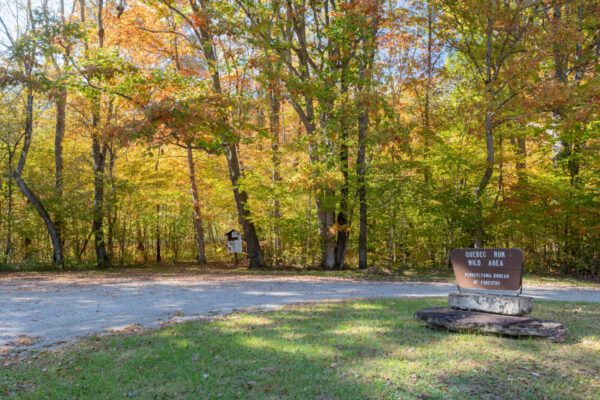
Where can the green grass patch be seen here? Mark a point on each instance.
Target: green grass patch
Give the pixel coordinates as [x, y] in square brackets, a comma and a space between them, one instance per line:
[339, 350]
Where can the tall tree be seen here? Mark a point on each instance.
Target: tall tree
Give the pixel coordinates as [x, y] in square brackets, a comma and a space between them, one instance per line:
[99, 143]
[201, 258]
[490, 37]
[365, 86]
[201, 21]
[316, 42]
[61, 62]
[11, 138]
[25, 51]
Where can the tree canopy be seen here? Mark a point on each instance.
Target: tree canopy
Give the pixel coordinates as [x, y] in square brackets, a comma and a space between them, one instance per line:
[338, 133]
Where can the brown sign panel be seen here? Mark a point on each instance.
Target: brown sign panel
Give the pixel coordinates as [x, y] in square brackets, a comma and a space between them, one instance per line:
[495, 269]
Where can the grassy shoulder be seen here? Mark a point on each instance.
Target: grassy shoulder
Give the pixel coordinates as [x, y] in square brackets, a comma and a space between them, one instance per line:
[339, 350]
[445, 275]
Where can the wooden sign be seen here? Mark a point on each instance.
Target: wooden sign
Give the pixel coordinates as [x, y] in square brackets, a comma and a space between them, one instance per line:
[494, 269]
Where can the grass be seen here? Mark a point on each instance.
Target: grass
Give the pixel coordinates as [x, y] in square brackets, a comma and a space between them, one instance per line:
[339, 350]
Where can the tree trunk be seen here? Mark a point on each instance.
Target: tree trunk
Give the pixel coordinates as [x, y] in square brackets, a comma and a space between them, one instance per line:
[111, 211]
[276, 177]
[197, 212]
[59, 135]
[99, 153]
[485, 180]
[426, 113]
[204, 35]
[141, 247]
[305, 108]
[326, 218]
[305, 258]
[342, 219]
[363, 120]
[365, 76]
[9, 215]
[33, 199]
[392, 242]
[241, 198]
[39, 207]
[520, 165]
[429, 70]
[99, 149]
[560, 74]
[489, 142]
[61, 105]
[158, 249]
[158, 238]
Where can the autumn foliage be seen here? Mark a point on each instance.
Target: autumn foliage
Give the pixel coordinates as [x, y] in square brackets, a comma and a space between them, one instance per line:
[332, 133]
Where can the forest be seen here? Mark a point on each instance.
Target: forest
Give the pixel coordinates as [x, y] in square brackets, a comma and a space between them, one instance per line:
[331, 133]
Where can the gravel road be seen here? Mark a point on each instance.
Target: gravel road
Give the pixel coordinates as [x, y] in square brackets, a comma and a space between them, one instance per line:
[44, 312]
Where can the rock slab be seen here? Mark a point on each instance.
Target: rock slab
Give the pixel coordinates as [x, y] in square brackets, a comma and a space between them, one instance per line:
[491, 303]
[472, 321]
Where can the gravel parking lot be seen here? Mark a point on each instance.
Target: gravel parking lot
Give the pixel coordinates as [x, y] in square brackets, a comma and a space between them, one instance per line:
[48, 310]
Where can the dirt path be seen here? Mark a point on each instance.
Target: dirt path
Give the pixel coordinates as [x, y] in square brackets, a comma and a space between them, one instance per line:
[45, 311]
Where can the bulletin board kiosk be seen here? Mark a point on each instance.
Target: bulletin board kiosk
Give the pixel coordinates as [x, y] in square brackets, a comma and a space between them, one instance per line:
[234, 244]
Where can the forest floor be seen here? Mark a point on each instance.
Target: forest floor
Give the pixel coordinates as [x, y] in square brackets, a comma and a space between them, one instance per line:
[353, 349]
[445, 275]
[41, 311]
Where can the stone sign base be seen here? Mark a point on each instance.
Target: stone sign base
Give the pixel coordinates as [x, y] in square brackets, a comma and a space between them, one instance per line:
[472, 321]
[491, 313]
[491, 303]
